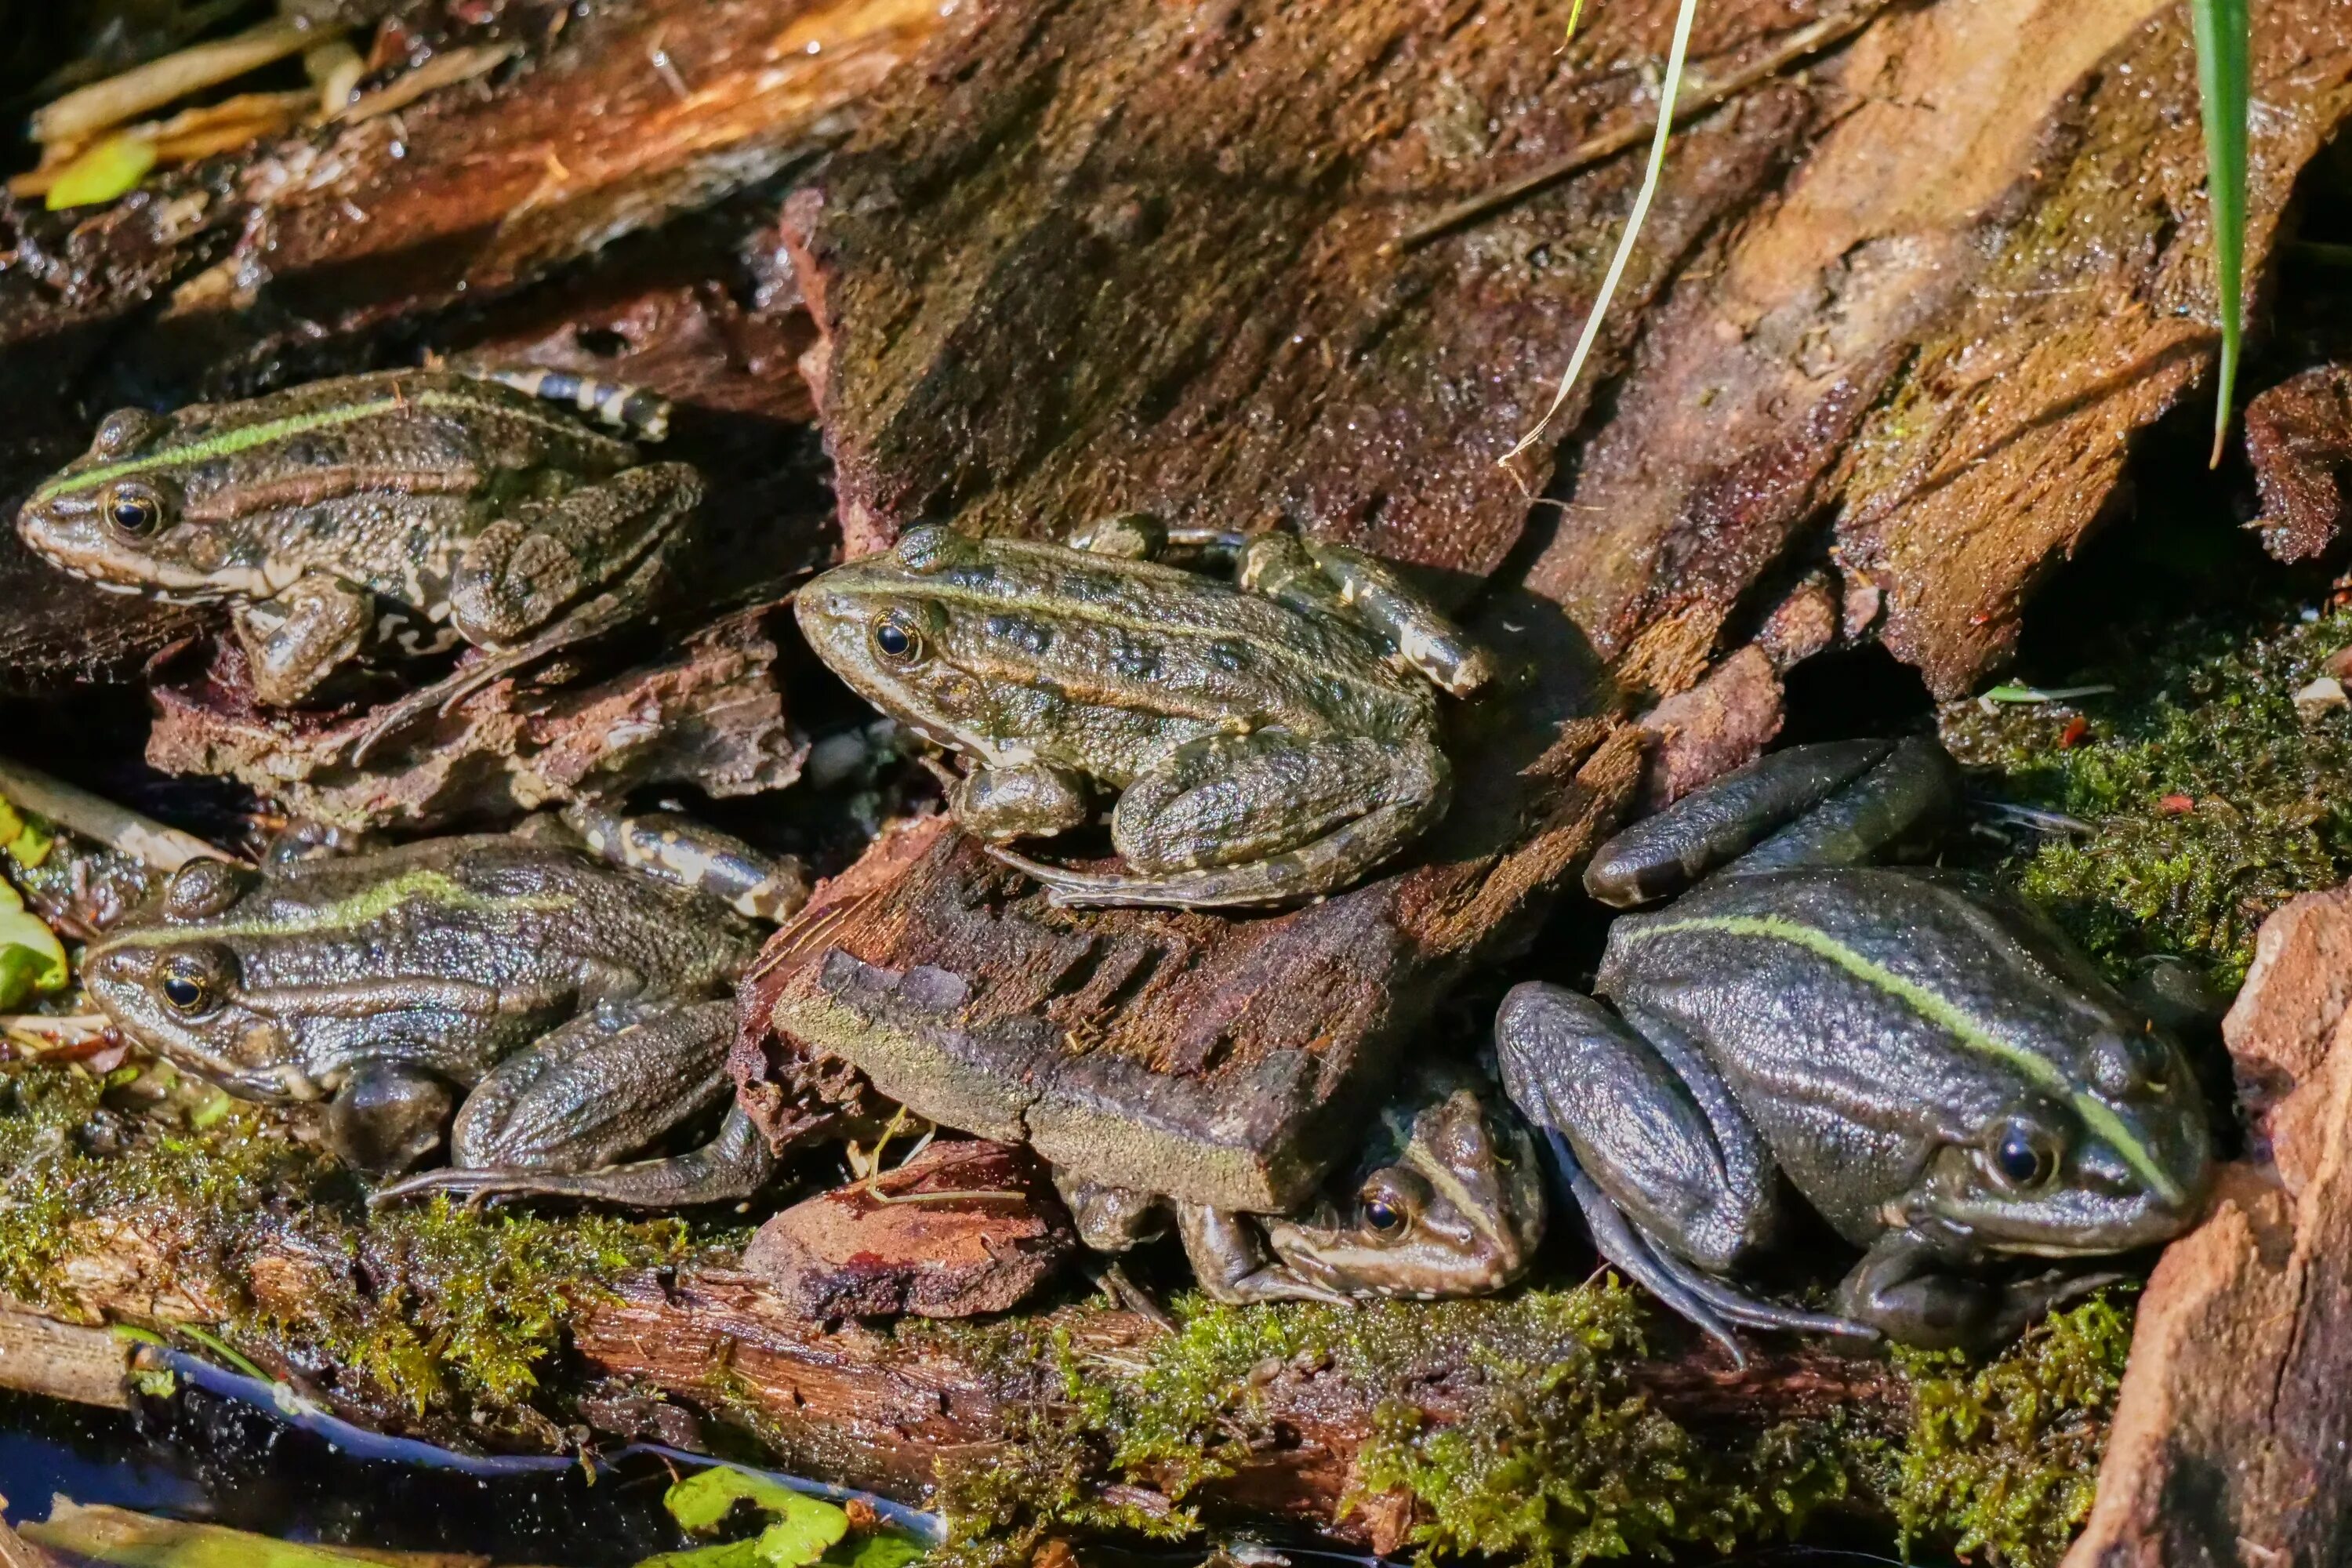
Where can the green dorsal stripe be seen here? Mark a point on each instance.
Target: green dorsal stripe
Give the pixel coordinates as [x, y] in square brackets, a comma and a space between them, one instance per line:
[1963, 1026]
[245, 438]
[435, 888]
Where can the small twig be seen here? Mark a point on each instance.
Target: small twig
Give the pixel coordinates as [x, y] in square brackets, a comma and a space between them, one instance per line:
[1695, 99]
[440, 71]
[85, 112]
[144, 839]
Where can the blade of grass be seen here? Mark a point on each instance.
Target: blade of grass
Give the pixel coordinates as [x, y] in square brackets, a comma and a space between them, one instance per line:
[2221, 31]
[1675, 55]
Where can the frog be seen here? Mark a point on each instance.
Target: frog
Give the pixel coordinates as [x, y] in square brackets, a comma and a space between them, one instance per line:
[556, 1011]
[1269, 740]
[1926, 1063]
[400, 512]
[1444, 1198]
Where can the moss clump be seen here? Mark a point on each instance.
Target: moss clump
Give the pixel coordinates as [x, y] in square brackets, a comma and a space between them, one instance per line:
[1510, 1423]
[2211, 799]
[2002, 1460]
[437, 1314]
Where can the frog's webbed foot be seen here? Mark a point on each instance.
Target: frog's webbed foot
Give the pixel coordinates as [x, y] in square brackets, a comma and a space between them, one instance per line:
[554, 1120]
[1838, 804]
[1231, 1265]
[294, 641]
[1261, 818]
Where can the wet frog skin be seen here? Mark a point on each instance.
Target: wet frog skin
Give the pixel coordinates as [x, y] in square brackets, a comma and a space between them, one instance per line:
[581, 1011]
[404, 511]
[1931, 1066]
[1266, 742]
[1445, 1198]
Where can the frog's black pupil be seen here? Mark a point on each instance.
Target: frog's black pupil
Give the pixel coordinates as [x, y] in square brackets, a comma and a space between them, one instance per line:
[2020, 1161]
[134, 514]
[892, 639]
[1379, 1215]
[181, 992]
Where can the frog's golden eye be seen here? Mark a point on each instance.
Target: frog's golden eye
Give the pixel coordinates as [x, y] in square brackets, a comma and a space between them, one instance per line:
[897, 637]
[193, 982]
[135, 508]
[1390, 1202]
[2023, 1154]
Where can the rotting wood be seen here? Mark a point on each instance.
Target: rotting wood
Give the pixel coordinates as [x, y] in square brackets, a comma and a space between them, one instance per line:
[63, 1360]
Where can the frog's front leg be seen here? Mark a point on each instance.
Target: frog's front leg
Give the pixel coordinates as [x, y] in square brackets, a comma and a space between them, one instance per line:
[1674, 1181]
[1838, 804]
[554, 1121]
[295, 640]
[1921, 1286]
[1019, 800]
[1262, 818]
[1230, 1262]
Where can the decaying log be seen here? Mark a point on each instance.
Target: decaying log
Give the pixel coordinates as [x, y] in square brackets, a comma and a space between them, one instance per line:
[711, 716]
[315, 247]
[2229, 1437]
[1121, 258]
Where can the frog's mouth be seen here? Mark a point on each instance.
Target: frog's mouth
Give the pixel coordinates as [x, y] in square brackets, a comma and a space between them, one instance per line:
[68, 533]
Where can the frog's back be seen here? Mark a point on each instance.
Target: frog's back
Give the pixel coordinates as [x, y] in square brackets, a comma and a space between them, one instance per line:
[1132, 637]
[1864, 1016]
[518, 910]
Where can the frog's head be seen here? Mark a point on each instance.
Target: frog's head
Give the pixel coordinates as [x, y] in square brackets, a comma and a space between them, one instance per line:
[173, 982]
[120, 517]
[2118, 1157]
[1452, 1204]
[887, 626]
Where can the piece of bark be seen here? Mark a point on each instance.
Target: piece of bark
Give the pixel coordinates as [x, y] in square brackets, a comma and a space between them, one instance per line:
[2230, 1432]
[2299, 444]
[2297, 991]
[712, 715]
[1808, 620]
[849, 1254]
[1723, 722]
[1220, 1058]
[1112, 256]
[1991, 270]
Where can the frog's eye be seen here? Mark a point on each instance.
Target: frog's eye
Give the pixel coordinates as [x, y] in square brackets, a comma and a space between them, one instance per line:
[897, 637]
[193, 982]
[2023, 1155]
[135, 508]
[1389, 1204]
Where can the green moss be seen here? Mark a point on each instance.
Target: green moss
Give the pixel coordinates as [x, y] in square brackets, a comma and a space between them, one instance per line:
[434, 1313]
[2210, 800]
[2000, 1459]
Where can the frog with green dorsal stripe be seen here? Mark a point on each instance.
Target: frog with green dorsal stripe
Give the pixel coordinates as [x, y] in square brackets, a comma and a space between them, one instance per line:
[1927, 1063]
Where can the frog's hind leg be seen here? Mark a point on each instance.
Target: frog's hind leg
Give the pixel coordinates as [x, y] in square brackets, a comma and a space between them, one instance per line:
[640, 413]
[519, 572]
[1262, 818]
[554, 1121]
[677, 848]
[1837, 804]
[1312, 574]
[1675, 1184]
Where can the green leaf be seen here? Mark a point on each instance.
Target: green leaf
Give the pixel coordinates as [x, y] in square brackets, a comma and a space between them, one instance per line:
[32, 960]
[2222, 30]
[883, 1549]
[112, 168]
[805, 1528]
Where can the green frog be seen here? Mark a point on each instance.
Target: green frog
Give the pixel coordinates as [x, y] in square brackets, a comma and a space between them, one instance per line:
[401, 512]
[582, 1011]
[1443, 1198]
[1934, 1069]
[1268, 741]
